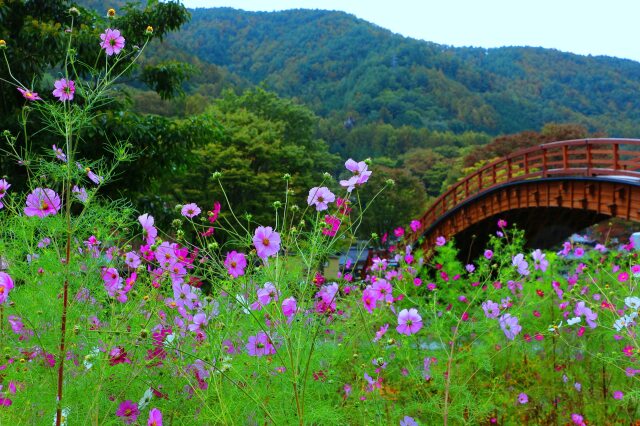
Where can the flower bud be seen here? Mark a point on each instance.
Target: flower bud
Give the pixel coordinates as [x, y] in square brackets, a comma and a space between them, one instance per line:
[286, 176]
[149, 30]
[327, 175]
[216, 175]
[390, 182]
[277, 204]
[74, 11]
[3, 44]
[111, 13]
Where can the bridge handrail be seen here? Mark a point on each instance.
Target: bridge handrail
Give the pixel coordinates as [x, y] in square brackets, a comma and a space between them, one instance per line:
[576, 157]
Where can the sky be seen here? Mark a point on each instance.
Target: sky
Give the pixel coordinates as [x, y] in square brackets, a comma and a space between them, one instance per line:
[596, 27]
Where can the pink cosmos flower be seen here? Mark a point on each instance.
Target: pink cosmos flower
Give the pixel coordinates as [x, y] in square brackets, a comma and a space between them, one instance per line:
[360, 174]
[4, 185]
[29, 95]
[289, 307]
[369, 299]
[382, 290]
[59, 153]
[539, 260]
[190, 210]
[440, 241]
[502, 223]
[408, 421]
[491, 309]
[266, 242]
[94, 177]
[150, 232]
[381, 332]
[488, 254]
[112, 41]
[523, 398]
[132, 259]
[200, 320]
[510, 326]
[183, 295]
[321, 197]
[42, 202]
[267, 293]
[618, 395]
[414, 225]
[521, 264]
[398, 232]
[260, 345]
[155, 417]
[409, 321]
[80, 193]
[589, 315]
[64, 89]
[623, 277]
[129, 412]
[235, 263]
[6, 284]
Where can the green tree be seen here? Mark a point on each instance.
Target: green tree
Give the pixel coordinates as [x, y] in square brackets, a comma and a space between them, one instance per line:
[261, 137]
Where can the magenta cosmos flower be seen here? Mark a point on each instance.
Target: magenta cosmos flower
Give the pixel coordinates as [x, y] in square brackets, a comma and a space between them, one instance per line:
[266, 241]
[42, 202]
[321, 197]
[155, 417]
[129, 412]
[6, 284]
[409, 321]
[112, 41]
[29, 95]
[235, 263]
[64, 89]
[190, 210]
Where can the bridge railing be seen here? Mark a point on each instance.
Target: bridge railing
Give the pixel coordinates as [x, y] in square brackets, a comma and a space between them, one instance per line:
[580, 157]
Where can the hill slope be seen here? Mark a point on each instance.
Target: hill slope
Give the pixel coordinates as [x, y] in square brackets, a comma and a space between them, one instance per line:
[343, 66]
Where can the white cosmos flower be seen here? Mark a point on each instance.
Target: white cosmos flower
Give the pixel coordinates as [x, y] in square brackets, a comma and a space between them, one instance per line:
[573, 321]
[632, 302]
[146, 398]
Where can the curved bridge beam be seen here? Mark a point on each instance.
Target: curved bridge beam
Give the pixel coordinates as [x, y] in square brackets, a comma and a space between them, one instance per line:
[550, 191]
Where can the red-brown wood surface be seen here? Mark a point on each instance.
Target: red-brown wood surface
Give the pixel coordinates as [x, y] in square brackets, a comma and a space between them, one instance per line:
[573, 158]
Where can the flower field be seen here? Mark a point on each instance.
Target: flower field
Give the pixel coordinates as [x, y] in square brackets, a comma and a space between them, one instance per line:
[106, 318]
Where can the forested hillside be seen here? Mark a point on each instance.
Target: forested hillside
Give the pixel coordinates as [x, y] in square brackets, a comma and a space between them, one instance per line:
[342, 67]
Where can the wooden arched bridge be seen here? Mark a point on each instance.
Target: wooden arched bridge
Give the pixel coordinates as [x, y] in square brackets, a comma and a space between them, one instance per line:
[550, 191]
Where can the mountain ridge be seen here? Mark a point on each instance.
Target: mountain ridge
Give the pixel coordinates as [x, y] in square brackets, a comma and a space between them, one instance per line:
[341, 65]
